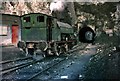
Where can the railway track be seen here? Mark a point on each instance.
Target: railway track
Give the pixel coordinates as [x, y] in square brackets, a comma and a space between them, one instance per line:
[18, 65]
[30, 70]
[14, 63]
[46, 70]
[8, 61]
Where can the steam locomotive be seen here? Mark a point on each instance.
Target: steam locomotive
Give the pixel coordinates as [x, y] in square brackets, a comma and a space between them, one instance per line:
[43, 32]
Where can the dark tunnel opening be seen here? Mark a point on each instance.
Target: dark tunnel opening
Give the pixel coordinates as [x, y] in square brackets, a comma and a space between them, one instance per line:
[86, 35]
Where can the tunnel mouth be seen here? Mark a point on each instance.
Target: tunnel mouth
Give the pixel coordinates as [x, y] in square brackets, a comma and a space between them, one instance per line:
[86, 35]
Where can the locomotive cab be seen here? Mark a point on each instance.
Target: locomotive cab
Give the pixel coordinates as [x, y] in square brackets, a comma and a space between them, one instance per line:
[34, 32]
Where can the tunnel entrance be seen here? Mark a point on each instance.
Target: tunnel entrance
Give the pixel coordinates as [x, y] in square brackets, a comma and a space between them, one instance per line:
[86, 35]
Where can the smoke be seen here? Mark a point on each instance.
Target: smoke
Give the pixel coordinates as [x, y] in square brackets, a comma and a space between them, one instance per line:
[57, 5]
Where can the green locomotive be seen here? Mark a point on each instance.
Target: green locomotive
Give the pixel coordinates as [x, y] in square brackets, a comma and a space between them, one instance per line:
[40, 31]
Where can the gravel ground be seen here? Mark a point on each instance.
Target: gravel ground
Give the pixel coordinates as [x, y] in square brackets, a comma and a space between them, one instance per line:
[70, 69]
[106, 63]
[11, 52]
[98, 61]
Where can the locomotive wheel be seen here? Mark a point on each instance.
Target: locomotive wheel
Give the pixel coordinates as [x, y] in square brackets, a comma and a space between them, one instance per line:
[26, 51]
[21, 45]
[60, 50]
[63, 49]
[70, 45]
[57, 49]
[48, 52]
[86, 35]
[66, 47]
[44, 53]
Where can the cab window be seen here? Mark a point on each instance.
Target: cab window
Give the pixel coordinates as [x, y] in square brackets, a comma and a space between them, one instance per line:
[40, 18]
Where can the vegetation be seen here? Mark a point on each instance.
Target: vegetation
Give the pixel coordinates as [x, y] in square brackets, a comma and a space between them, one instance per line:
[100, 15]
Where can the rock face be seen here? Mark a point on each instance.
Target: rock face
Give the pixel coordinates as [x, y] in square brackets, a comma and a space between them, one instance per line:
[22, 7]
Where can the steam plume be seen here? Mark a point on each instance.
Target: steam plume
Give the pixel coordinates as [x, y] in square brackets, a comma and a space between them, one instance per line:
[57, 5]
